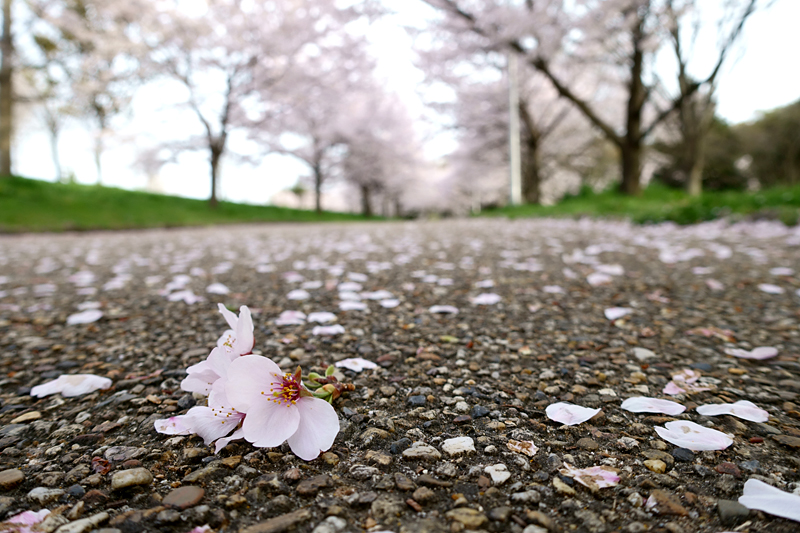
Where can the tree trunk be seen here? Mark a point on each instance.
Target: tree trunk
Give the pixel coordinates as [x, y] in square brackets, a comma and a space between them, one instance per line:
[366, 203]
[215, 157]
[631, 155]
[532, 173]
[318, 188]
[6, 91]
[54, 153]
[696, 165]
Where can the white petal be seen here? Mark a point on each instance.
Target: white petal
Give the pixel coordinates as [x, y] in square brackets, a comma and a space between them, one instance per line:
[317, 429]
[742, 409]
[760, 353]
[693, 436]
[356, 364]
[217, 288]
[759, 496]
[486, 298]
[443, 309]
[174, 425]
[640, 404]
[85, 317]
[336, 329]
[569, 414]
[614, 313]
[321, 317]
[71, 385]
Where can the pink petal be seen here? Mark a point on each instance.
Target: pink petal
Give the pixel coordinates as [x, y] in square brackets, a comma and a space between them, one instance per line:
[200, 378]
[598, 278]
[298, 294]
[769, 288]
[762, 497]
[742, 409]
[269, 424]
[212, 424]
[174, 425]
[641, 404]
[317, 430]
[321, 317]
[224, 441]
[693, 436]
[253, 377]
[217, 288]
[614, 313]
[760, 353]
[486, 298]
[569, 414]
[244, 332]
[350, 305]
[229, 316]
[28, 518]
[71, 385]
[389, 303]
[594, 478]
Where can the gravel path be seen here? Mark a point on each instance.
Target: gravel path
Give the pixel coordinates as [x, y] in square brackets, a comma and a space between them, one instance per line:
[425, 441]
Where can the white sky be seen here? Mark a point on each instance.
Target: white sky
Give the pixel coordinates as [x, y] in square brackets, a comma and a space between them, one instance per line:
[761, 75]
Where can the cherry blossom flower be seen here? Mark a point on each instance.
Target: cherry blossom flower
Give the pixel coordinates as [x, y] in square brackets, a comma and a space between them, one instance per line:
[760, 353]
[486, 298]
[741, 409]
[174, 425]
[217, 420]
[640, 404]
[759, 496]
[85, 317]
[593, 478]
[356, 364]
[239, 339]
[693, 436]
[569, 414]
[279, 408]
[71, 385]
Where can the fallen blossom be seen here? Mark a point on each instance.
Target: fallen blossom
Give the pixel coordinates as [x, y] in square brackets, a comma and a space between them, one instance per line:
[298, 294]
[336, 329]
[484, 284]
[760, 353]
[594, 478]
[534, 307]
[685, 381]
[389, 303]
[71, 385]
[486, 298]
[89, 305]
[641, 404]
[741, 409]
[321, 317]
[173, 425]
[713, 331]
[377, 295]
[760, 496]
[614, 313]
[217, 288]
[311, 285]
[695, 437]
[202, 376]
[569, 414]
[239, 339]
[24, 522]
[714, 285]
[291, 318]
[781, 271]
[552, 289]
[356, 364]
[443, 309]
[349, 286]
[525, 447]
[278, 408]
[186, 296]
[85, 317]
[350, 305]
[595, 279]
[769, 288]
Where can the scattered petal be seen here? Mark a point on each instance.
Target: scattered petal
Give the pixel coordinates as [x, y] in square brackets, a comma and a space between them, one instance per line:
[741, 409]
[291, 318]
[336, 329]
[389, 303]
[693, 436]
[760, 353]
[569, 414]
[781, 271]
[217, 288]
[769, 288]
[715, 285]
[486, 298]
[593, 478]
[350, 305]
[298, 294]
[525, 447]
[85, 317]
[443, 309]
[356, 364]
[759, 496]
[71, 385]
[595, 279]
[614, 313]
[641, 404]
[321, 317]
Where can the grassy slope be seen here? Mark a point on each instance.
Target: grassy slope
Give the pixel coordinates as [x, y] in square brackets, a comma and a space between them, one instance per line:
[658, 204]
[33, 205]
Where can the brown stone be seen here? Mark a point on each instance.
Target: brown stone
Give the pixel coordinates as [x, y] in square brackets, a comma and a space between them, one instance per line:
[310, 487]
[184, 497]
[11, 478]
[423, 495]
[429, 480]
[403, 483]
[379, 458]
[471, 518]
[279, 523]
[587, 444]
[729, 468]
[664, 503]
[786, 440]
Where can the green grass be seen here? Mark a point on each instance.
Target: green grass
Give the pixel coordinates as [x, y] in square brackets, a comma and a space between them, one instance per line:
[659, 204]
[33, 205]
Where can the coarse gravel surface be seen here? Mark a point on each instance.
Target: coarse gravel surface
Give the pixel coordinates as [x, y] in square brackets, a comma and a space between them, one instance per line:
[483, 375]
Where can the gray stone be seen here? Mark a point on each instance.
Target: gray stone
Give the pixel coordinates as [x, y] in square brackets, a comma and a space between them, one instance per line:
[731, 512]
[131, 478]
[332, 524]
[43, 495]
[84, 524]
[422, 451]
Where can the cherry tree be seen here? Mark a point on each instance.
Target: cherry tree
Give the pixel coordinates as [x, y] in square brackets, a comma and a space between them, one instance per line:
[6, 90]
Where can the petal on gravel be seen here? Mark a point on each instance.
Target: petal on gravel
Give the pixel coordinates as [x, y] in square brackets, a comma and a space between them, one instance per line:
[641, 404]
[486, 298]
[85, 317]
[321, 317]
[693, 436]
[742, 409]
[336, 329]
[594, 478]
[760, 353]
[443, 309]
[759, 496]
[356, 364]
[614, 313]
[569, 414]
[525, 447]
[769, 288]
[217, 288]
[71, 385]
[298, 294]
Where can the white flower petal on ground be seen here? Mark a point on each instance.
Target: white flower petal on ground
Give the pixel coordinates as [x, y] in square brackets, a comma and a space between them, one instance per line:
[762, 352]
[641, 404]
[356, 364]
[611, 270]
[291, 318]
[298, 294]
[569, 414]
[71, 385]
[769, 288]
[595, 279]
[89, 305]
[349, 286]
[759, 496]
[217, 288]
[350, 296]
[781, 271]
[443, 309]
[293, 277]
[186, 296]
[311, 285]
[741, 409]
[336, 329]
[695, 437]
[357, 277]
[377, 295]
[484, 284]
[173, 425]
[486, 298]
[85, 317]
[553, 289]
[594, 478]
[24, 522]
[526, 447]
[389, 303]
[714, 285]
[614, 313]
[351, 305]
[321, 317]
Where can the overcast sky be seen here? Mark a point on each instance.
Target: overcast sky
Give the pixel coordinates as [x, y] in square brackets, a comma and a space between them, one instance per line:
[761, 75]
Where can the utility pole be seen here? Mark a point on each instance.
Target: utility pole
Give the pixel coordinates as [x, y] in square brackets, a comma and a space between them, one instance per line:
[514, 157]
